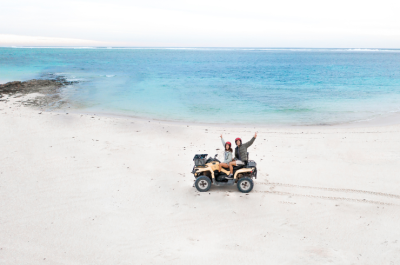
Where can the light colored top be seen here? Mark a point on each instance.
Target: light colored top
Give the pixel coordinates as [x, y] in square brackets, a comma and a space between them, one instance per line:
[227, 154]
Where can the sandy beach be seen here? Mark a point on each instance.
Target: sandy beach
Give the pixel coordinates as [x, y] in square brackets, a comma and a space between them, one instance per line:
[90, 189]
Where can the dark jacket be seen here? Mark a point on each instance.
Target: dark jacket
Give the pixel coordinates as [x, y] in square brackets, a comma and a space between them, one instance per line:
[242, 150]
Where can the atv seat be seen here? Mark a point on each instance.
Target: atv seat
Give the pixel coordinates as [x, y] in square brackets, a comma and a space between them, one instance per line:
[235, 168]
[238, 167]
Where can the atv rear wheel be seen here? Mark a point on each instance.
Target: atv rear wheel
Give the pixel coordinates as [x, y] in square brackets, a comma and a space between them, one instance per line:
[203, 183]
[245, 185]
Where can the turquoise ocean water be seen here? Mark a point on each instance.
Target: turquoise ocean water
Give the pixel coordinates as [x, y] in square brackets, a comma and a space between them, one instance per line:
[263, 86]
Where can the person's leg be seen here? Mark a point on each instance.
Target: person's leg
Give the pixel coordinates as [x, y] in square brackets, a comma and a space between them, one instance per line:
[222, 165]
[225, 165]
[231, 164]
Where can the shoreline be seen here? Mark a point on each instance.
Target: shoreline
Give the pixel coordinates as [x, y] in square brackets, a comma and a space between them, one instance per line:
[50, 90]
[389, 120]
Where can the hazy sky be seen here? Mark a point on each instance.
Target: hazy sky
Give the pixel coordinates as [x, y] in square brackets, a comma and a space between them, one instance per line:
[199, 23]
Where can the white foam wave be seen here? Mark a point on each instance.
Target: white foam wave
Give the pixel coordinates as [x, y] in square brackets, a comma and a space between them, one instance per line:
[367, 50]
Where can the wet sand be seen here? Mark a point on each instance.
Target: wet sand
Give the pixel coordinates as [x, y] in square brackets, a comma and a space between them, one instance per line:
[90, 189]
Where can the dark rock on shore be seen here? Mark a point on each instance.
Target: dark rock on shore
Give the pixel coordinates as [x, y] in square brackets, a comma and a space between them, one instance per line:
[50, 88]
[44, 86]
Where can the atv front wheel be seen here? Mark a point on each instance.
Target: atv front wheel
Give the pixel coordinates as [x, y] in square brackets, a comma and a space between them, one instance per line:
[203, 183]
[245, 185]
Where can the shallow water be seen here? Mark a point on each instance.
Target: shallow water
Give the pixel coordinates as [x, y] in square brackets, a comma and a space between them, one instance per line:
[267, 86]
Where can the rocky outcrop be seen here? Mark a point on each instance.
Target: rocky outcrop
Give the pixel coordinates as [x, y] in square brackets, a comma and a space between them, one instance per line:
[49, 89]
[44, 86]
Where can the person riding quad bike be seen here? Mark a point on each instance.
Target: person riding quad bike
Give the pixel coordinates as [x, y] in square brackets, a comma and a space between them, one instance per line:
[227, 154]
[240, 154]
[209, 171]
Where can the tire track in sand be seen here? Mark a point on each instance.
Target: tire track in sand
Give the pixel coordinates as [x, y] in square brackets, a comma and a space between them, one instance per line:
[334, 197]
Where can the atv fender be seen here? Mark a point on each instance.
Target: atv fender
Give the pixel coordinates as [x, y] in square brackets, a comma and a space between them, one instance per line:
[242, 171]
[205, 169]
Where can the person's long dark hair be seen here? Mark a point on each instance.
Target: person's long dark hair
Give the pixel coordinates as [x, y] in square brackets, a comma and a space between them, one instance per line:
[230, 148]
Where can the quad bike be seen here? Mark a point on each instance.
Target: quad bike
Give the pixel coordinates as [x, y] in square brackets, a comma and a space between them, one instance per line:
[206, 173]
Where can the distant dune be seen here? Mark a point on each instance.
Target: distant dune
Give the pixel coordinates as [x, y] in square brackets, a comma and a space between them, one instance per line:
[18, 40]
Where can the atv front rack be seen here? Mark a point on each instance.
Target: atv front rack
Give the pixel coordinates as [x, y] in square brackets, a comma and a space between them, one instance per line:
[200, 159]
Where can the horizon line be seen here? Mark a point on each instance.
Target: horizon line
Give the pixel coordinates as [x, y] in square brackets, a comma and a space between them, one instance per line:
[190, 47]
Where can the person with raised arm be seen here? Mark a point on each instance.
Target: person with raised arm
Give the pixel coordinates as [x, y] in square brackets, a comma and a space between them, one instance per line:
[227, 154]
[240, 154]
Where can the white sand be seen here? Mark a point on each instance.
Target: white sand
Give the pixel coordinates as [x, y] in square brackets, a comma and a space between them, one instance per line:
[84, 189]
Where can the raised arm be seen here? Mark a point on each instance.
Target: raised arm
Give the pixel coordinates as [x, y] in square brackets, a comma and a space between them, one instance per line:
[223, 142]
[249, 143]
